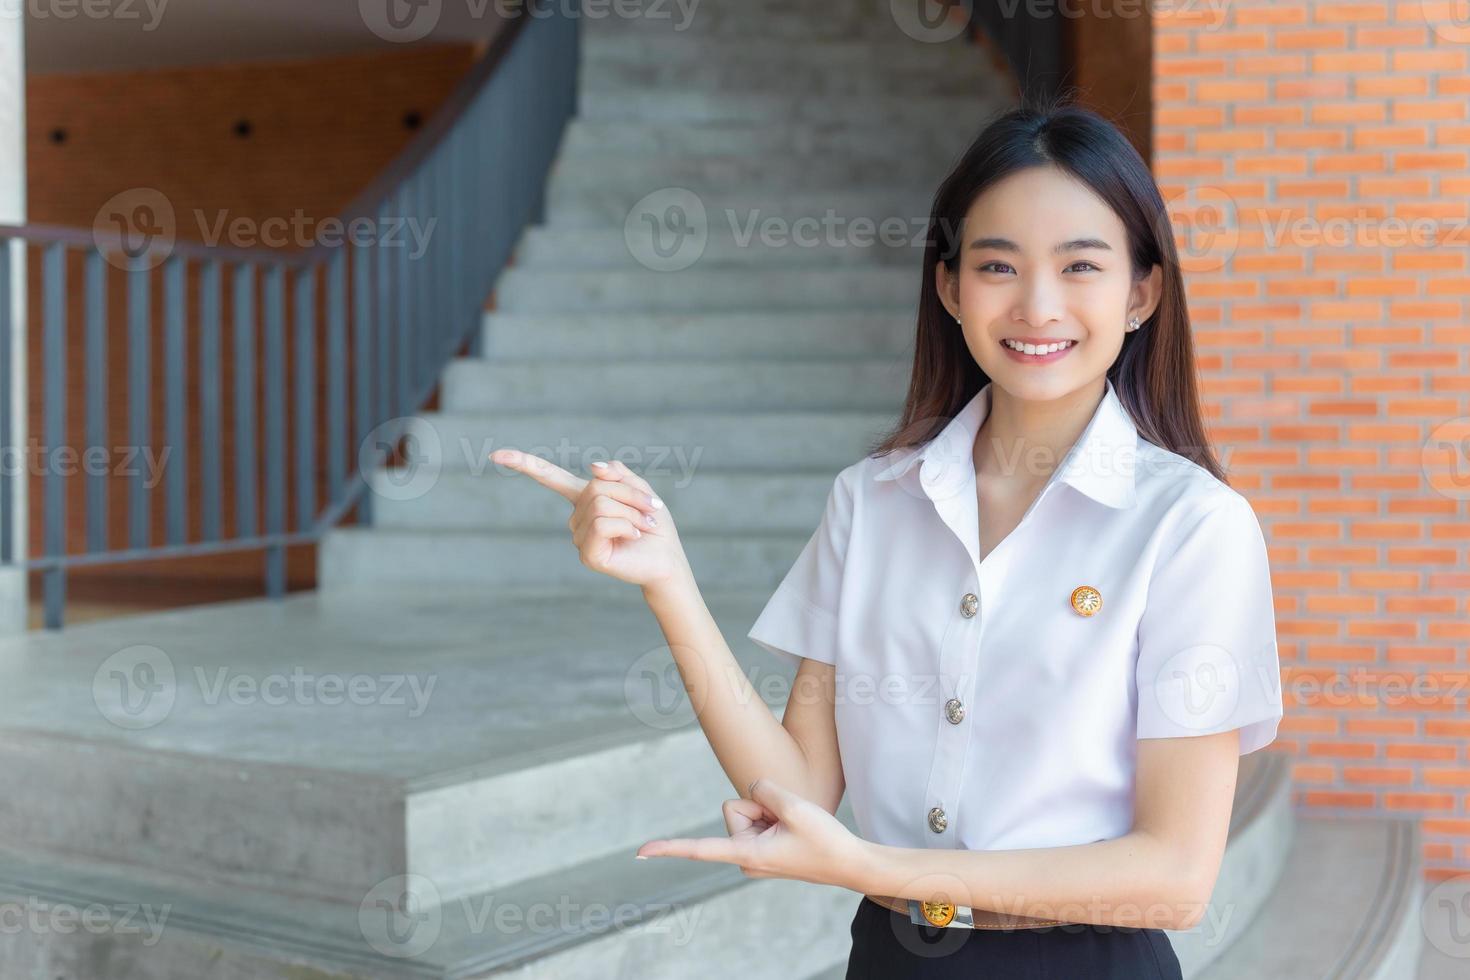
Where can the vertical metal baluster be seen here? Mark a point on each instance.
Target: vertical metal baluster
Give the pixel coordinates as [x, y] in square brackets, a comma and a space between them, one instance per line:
[454, 244]
[572, 65]
[407, 323]
[441, 245]
[53, 292]
[140, 391]
[7, 418]
[275, 430]
[96, 398]
[210, 421]
[424, 290]
[427, 274]
[387, 312]
[246, 440]
[306, 398]
[175, 458]
[336, 370]
[363, 328]
[475, 232]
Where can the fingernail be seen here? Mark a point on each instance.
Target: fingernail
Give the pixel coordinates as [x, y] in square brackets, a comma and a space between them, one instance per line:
[651, 520]
[598, 463]
[637, 533]
[641, 857]
[654, 501]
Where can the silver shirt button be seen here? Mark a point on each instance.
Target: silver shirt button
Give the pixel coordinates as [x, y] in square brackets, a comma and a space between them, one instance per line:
[937, 820]
[954, 710]
[969, 604]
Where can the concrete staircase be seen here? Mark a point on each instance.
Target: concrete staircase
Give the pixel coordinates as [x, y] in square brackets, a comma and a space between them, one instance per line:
[811, 136]
[522, 728]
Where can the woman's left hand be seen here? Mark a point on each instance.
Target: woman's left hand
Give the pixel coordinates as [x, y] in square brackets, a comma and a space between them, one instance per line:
[775, 834]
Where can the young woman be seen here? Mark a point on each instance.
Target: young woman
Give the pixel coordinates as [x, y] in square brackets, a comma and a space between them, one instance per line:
[1034, 627]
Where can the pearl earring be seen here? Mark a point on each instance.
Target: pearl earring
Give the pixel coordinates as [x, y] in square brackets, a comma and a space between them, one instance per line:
[1133, 323]
[957, 319]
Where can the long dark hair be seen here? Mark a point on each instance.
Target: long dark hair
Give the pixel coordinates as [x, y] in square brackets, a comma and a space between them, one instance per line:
[1155, 372]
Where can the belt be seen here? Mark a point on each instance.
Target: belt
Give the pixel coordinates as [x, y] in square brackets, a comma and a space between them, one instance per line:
[945, 915]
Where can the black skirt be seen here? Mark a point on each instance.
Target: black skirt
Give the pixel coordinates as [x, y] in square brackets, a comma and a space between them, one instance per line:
[887, 946]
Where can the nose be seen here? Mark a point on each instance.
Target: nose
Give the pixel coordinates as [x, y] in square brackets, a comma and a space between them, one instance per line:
[1039, 304]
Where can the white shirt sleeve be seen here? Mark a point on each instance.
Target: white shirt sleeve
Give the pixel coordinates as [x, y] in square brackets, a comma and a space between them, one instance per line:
[800, 619]
[1207, 655]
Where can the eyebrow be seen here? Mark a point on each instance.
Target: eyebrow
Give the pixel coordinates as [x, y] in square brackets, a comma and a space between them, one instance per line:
[1075, 245]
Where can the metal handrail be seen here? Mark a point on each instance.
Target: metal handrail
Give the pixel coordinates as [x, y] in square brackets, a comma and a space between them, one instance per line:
[386, 324]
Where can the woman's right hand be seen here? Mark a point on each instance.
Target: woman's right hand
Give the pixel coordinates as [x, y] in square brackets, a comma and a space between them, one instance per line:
[610, 519]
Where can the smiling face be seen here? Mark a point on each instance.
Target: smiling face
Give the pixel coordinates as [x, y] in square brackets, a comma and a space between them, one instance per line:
[1043, 286]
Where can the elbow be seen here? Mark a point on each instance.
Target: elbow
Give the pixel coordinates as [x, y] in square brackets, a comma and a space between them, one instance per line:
[1190, 898]
[1183, 881]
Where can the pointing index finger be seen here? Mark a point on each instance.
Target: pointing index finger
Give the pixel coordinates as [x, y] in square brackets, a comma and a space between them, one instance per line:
[543, 471]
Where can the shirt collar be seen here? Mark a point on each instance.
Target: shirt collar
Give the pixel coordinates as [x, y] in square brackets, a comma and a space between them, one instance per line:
[1101, 463]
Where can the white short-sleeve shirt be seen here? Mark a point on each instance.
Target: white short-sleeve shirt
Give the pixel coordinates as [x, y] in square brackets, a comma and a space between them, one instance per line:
[977, 705]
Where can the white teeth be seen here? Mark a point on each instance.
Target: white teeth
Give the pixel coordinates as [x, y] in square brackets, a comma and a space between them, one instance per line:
[1033, 349]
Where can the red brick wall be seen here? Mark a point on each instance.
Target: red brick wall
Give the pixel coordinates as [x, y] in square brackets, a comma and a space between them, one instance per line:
[1310, 137]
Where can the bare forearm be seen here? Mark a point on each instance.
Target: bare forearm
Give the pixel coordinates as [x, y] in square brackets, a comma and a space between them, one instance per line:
[747, 738]
[1133, 880]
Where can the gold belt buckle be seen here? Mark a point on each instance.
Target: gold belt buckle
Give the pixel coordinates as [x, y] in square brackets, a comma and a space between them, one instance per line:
[930, 913]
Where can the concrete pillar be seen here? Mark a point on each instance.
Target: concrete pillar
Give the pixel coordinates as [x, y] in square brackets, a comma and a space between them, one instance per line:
[13, 603]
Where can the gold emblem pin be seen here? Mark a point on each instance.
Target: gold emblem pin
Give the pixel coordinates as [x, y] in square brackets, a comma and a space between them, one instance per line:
[939, 913]
[1086, 600]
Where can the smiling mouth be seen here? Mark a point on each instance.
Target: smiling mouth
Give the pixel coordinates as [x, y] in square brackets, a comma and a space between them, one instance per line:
[1037, 349]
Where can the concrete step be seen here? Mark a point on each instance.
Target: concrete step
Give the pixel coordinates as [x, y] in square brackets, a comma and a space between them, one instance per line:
[681, 336]
[514, 562]
[1347, 904]
[472, 385]
[650, 140]
[850, 213]
[509, 806]
[712, 173]
[732, 502]
[417, 739]
[963, 110]
[805, 71]
[654, 444]
[761, 19]
[736, 243]
[684, 54]
[613, 917]
[699, 289]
